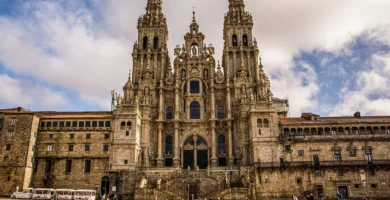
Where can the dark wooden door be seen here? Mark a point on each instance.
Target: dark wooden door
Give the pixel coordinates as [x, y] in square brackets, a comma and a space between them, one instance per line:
[188, 159]
[202, 159]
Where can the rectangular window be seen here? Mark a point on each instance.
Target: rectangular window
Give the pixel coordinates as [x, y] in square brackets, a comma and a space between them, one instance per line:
[5, 158]
[357, 186]
[81, 124]
[51, 136]
[127, 133]
[318, 173]
[88, 136]
[194, 87]
[94, 124]
[67, 124]
[299, 181]
[9, 179]
[334, 132]
[68, 166]
[125, 162]
[287, 148]
[87, 167]
[86, 148]
[352, 152]
[88, 124]
[337, 155]
[35, 166]
[340, 173]
[70, 147]
[48, 124]
[374, 186]
[62, 124]
[301, 152]
[300, 133]
[105, 147]
[71, 136]
[101, 123]
[13, 121]
[108, 124]
[106, 136]
[55, 124]
[10, 134]
[42, 124]
[8, 147]
[49, 148]
[33, 148]
[74, 124]
[48, 166]
[371, 171]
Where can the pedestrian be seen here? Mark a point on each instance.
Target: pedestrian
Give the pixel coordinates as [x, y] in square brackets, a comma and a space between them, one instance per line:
[307, 197]
[312, 196]
[55, 196]
[104, 196]
[293, 197]
[338, 196]
[115, 197]
[93, 197]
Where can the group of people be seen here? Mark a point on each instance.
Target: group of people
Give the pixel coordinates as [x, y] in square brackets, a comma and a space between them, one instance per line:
[308, 197]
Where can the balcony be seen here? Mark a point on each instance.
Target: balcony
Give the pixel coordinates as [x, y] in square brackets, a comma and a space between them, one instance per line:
[310, 164]
[352, 137]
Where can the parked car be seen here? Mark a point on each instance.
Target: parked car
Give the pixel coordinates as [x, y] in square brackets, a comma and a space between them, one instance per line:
[26, 193]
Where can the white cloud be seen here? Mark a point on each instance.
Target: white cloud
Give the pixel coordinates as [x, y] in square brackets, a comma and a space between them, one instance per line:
[68, 49]
[16, 92]
[371, 95]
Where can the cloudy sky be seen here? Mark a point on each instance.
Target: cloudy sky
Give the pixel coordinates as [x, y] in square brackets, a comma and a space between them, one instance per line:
[328, 57]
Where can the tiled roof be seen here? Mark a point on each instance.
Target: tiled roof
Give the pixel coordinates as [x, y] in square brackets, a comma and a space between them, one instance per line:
[73, 115]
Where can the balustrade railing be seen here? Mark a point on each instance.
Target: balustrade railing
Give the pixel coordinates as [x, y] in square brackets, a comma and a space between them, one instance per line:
[321, 163]
[334, 137]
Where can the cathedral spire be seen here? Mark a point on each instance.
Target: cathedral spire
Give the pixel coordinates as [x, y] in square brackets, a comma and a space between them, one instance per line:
[194, 27]
[154, 13]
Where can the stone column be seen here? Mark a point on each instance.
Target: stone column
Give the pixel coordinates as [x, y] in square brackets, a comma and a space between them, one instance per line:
[176, 159]
[214, 159]
[234, 64]
[230, 141]
[159, 146]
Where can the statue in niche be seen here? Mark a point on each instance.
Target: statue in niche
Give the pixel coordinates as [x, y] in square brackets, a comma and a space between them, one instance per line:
[205, 73]
[183, 74]
[194, 51]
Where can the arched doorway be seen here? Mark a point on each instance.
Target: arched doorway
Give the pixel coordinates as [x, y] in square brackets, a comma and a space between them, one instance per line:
[105, 189]
[195, 153]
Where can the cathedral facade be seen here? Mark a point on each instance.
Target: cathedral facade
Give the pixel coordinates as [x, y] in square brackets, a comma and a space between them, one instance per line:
[195, 128]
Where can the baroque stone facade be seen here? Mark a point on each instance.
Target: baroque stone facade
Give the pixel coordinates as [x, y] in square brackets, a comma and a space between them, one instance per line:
[196, 128]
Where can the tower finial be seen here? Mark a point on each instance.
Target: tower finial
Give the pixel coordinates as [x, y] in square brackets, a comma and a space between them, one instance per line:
[129, 74]
[193, 13]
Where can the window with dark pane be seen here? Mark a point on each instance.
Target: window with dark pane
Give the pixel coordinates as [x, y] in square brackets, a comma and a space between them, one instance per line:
[106, 136]
[74, 124]
[168, 144]
[266, 124]
[55, 124]
[87, 124]
[200, 141]
[48, 166]
[105, 147]
[220, 112]
[194, 110]
[234, 40]
[88, 136]
[221, 144]
[155, 43]
[67, 124]
[87, 167]
[81, 124]
[70, 147]
[48, 124]
[101, 123]
[94, 124]
[68, 166]
[245, 40]
[145, 43]
[108, 124]
[194, 87]
[62, 124]
[42, 124]
[169, 113]
[87, 147]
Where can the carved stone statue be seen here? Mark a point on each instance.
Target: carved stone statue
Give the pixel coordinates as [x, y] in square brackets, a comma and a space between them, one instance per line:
[194, 51]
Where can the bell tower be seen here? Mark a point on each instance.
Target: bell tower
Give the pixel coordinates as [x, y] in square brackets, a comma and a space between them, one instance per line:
[150, 53]
[240, 48]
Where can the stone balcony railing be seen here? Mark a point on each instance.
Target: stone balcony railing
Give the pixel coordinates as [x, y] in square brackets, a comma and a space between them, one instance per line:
[294, 164]
[354, 137]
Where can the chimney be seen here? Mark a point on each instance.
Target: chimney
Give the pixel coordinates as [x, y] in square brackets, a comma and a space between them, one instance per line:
[19, 109]
[357, 114]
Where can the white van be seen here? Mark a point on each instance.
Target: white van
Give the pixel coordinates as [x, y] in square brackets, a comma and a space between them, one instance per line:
[26, 193]
[84, 194]
[64, 194]
[43, 193]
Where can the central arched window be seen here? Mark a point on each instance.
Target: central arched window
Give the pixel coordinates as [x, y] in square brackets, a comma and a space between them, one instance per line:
[194, 87]
[266, 125]
[190, 141]
[221, 144]
[194, 110]
[145, 43]
[200, 141]
[169, 113]
[234, 40]
[245, 40]
[168, 144]
[155, 43]
[220, 112]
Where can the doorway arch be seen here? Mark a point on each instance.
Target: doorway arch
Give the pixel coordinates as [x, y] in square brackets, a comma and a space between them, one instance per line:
[195, 153]
[105, 188]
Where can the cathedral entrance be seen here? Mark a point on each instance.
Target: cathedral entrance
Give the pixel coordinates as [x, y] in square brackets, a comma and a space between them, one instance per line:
[195, 153]
[105, 188]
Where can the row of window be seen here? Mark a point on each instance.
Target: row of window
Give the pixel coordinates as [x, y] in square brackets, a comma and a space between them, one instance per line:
[75, 124]
[146, 42]
[68, 166]
[337, 153]
[87, 147]
[262, 123]
[87, 136]
[195, 108]
[221, 144]
[336, 131]
[244, 40]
